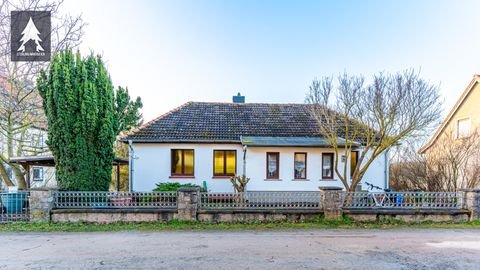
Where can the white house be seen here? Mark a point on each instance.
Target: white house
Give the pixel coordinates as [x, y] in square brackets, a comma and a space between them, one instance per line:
[205, 143]
[33, 144]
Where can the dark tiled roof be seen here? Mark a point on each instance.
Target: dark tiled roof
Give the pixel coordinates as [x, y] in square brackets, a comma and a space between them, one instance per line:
[226, 122]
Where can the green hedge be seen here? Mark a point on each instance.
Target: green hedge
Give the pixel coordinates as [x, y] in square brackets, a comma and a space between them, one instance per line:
[172, 186]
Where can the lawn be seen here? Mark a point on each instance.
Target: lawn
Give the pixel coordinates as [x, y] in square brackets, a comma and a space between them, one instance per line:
[319, 223]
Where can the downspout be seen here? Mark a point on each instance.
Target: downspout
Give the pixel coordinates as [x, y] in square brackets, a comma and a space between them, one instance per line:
[131, 155]
[386, 171]
[245, 163]
[245, 160]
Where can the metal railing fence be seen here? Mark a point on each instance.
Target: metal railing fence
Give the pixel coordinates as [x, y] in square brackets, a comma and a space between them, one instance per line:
[404, 200]
[261, 200]
[14, 206]
[257, 200]
[94, 199]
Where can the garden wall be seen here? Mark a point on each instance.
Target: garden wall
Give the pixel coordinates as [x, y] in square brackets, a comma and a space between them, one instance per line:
[189, 206]
[147, 215]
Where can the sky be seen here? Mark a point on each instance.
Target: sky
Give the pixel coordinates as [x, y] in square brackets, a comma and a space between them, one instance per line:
[171, 52]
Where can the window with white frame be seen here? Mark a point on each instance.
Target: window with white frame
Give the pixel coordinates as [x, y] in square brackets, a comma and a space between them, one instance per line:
[463, 128]
[37, 174]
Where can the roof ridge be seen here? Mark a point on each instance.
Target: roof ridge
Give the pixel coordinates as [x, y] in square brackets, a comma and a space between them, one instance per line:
[155, 120]
[244, 103]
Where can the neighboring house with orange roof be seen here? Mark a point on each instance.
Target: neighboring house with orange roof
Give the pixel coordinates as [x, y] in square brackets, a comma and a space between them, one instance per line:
[456, 143]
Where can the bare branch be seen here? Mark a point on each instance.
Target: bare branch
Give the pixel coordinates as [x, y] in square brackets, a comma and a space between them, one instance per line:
[372, 117]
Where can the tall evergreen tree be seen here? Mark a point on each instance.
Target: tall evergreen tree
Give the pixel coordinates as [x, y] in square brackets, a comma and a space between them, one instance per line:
[78, 100]
[127, 113]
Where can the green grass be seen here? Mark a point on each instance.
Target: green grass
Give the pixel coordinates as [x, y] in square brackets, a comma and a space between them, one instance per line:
[318, 223]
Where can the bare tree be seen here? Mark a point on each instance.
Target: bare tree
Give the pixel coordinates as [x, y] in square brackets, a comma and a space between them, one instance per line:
[408, 169]
[451, 164]
[454, 163]
[20, 103]
[371, 117]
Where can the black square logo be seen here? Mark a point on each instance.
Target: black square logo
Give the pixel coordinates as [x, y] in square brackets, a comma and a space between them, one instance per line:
[30, 35]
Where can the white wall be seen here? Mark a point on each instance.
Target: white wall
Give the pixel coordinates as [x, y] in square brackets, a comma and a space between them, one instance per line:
[376, 173]
[48, 181]
[152, 165]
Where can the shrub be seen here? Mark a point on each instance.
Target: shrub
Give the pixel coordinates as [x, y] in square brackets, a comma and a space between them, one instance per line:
[172, 186]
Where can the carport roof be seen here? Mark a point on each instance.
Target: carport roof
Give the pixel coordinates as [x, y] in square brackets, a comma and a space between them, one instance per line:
[49, 161]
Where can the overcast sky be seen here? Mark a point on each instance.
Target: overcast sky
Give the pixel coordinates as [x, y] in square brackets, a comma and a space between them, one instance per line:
[171, 52]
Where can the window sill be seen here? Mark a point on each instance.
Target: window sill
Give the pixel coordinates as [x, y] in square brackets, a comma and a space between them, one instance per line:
[327, 180]
[300, 179]
[182, 176]
[222, 176]
[272, 180]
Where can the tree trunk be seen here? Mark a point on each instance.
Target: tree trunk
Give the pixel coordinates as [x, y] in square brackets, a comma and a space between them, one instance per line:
[4, 176]
[20, 178]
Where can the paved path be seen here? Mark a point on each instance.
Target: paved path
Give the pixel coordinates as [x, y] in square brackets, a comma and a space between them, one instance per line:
[313, 249]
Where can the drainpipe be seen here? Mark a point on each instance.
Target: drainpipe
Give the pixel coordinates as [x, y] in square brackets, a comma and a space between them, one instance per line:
[131, 158]
[245, 160]
[385, 155]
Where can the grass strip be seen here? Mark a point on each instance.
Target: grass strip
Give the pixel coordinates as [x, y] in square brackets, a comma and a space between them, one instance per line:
[318, 223]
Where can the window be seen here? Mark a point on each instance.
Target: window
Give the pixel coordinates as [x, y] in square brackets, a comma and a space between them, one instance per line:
[300, 165]
[463, 128]
[182, 162]
[224, 162]
[353, 162]
[327, 166]
[273, 164]
[37, 174]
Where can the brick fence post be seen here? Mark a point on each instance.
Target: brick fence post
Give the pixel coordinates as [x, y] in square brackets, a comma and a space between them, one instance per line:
[332, 202]
[472, 202]
[187, 203]
[41, 203]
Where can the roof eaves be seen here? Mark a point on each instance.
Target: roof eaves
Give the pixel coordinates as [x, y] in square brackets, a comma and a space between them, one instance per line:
[180, 141]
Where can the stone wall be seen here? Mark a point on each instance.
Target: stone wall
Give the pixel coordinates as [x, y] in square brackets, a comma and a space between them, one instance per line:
[112, 215]
[408, 215]
[248, 215]
[187, 203]
[188, 210]
[472, 202]
[41, 203]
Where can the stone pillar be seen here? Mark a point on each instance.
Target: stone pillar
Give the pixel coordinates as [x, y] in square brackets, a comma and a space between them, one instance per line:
[332, 202]
[472, 202]
[41, 203]
[187, 203]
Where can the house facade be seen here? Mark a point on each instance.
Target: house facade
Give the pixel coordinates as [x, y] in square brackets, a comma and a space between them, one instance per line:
[455, 145]
[33, 141]
[20, 136]
[277, 146]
